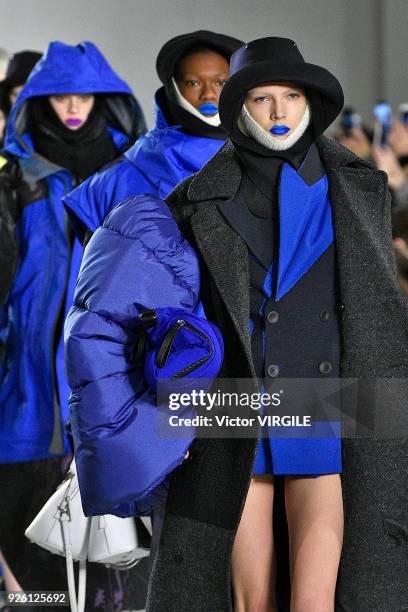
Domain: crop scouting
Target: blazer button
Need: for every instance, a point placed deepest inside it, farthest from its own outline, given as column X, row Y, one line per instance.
column 273, row 316
column 341, row 310
column 324, row 315
column 325, row 367
column 273, row 370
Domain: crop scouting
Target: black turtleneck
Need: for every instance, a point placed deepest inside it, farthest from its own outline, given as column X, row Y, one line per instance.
column 263, row 170
column 176, row 115
column 82, row 151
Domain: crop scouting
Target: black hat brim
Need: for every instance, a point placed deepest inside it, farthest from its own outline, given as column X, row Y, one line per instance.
column 303, row 74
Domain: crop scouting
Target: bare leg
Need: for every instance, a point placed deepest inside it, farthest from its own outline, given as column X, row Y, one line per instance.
column 314, row 509
column 10, row 582
column 253, row 554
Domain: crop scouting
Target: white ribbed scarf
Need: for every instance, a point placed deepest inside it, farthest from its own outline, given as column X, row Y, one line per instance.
column 214, row 120
column 249, row 127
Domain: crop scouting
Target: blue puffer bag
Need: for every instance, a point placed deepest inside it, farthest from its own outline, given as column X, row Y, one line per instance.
column 139, row 283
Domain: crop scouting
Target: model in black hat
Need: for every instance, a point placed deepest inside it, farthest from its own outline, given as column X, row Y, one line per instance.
column 285, row 220
column 193, row 69
column 18, row 70
column 269, row 115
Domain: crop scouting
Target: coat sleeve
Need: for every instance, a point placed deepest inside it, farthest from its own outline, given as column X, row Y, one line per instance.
column 90, row 203
column 137, row 261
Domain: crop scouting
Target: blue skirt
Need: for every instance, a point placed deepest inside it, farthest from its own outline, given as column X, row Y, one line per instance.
column 310, row 451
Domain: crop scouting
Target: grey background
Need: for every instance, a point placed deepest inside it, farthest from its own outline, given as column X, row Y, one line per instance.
column 363, row 42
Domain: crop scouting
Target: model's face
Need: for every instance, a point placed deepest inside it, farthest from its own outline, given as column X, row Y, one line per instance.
column 200, row 78
column 278, row 108
column 72, row 109
column 13, row 93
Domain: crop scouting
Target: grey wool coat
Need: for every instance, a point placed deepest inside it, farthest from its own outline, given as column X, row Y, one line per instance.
column 207, row 492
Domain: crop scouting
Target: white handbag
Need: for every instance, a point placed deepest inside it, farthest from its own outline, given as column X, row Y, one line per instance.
column 62, row 528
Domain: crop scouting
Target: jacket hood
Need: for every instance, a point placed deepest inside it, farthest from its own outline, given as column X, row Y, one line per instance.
column 278, row 60
column 74, row 69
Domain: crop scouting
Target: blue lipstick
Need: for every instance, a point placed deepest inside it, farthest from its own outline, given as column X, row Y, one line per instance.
column 208, row 109
column 279, row 130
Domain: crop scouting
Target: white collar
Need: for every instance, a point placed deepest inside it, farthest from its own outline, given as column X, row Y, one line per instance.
column 214, row 120
column 249, row 127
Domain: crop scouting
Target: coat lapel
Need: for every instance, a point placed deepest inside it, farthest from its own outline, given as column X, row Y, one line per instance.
column 223, row 250
column 365, row 261
column 226, row 257
column 357, row 193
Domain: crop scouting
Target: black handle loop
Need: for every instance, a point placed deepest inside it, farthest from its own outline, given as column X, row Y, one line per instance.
column 148, row 319
column 164, row 351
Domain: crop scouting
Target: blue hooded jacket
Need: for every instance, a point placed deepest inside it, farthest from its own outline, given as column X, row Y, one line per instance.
column 155, row 164
column 33, row 391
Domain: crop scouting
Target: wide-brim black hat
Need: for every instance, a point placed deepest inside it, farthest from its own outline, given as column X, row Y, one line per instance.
column 278, row 60
column 175, row 48
column 18, row 70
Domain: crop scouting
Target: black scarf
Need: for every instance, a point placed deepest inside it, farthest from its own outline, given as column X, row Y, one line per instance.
column 174, row 114
column 262, row 166
column 262, row 169
column 81, row 151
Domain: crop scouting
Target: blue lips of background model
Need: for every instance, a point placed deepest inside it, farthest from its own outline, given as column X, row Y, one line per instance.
column 279, row 130
column 208, row 109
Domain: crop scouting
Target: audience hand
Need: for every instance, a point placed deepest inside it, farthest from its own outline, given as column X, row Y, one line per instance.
column 401, row 246
column 386, row 160
column 398, row 139
column 357, row 142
